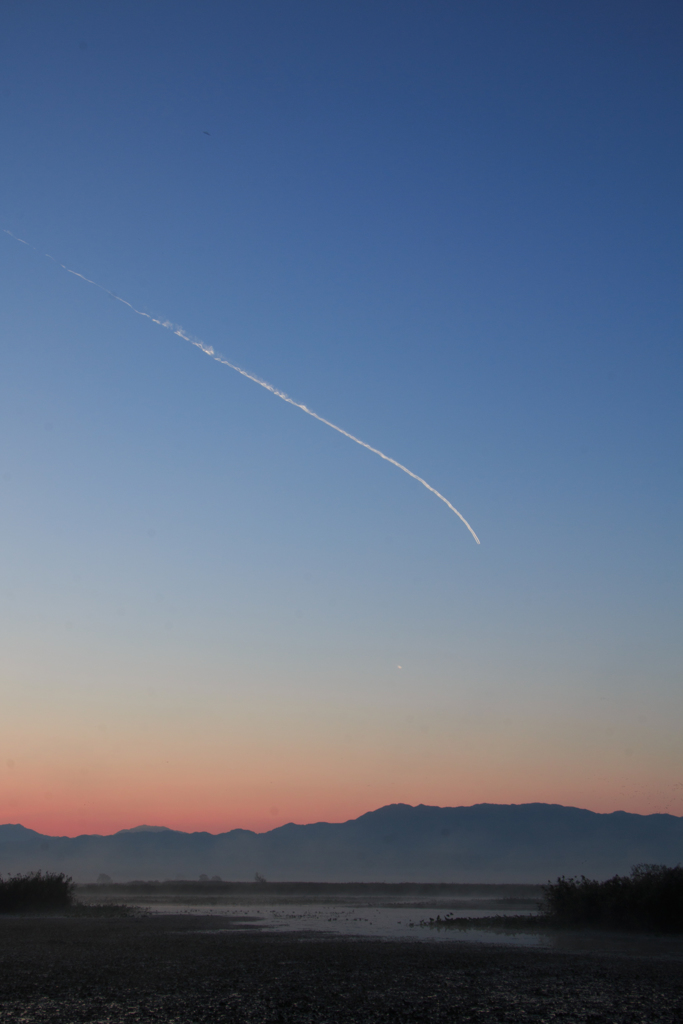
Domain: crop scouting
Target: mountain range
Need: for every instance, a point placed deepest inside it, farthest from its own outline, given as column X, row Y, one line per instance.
column 397, row 843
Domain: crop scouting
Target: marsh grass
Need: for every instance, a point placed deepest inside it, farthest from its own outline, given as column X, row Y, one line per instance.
column 36, row 891
column 650, row 899
column 47, row 892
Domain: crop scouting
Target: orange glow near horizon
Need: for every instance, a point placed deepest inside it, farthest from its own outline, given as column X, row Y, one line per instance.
column 445, row 230
column 222, row 778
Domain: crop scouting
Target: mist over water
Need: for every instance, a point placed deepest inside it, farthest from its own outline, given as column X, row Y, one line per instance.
column 390, row 778
column 403, row 916
column 377, row 914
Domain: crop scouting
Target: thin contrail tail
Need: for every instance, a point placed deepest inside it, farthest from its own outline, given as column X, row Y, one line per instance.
column 210, row 351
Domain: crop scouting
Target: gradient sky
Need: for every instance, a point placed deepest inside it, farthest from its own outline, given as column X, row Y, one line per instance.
column 452, row 228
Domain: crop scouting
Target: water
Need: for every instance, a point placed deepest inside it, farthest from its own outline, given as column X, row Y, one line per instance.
column 369, row 921
column 366, row 916
column 378, row 917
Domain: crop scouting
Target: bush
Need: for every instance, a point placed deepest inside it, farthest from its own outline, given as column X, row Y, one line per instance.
column 651, row 898
column 36, row 891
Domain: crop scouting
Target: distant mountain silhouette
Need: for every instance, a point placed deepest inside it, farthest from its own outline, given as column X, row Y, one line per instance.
column 397, row 843
column 144, row 828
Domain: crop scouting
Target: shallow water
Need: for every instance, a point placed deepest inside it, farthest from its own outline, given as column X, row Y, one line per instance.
column 373, row 917
column 367, row 916
column 363, row 920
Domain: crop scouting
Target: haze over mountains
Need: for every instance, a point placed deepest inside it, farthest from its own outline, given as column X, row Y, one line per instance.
column 397, row 843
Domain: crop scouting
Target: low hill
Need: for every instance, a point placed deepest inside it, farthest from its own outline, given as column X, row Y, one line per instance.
column 482, row 843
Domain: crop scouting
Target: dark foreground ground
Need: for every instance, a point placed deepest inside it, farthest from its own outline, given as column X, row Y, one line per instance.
column 175, row 968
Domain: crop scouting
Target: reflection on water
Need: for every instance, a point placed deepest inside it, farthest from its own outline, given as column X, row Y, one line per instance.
column 367, row 914
column 402, row 918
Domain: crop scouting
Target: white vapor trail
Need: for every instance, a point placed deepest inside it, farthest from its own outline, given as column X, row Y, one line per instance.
column 210, row 351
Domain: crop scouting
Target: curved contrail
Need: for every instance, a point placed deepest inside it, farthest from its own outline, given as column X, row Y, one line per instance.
column 210, row 351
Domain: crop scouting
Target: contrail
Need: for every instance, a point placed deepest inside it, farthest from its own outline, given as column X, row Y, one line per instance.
column 210, row 351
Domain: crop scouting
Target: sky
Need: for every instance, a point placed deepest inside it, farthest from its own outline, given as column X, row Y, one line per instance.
column 452, row 229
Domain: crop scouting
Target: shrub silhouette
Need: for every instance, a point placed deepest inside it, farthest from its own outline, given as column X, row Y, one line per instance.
column 651, row 898
column 36, row 891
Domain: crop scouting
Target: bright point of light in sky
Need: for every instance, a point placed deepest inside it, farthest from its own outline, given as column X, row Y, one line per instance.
column 454, row 229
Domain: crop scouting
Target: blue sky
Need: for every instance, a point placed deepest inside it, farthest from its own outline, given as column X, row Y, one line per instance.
column 454, row 230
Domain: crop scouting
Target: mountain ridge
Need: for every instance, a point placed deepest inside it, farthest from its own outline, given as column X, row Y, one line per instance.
column 398, row 842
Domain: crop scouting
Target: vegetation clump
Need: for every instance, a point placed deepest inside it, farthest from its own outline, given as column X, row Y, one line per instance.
column 36, row 891
column 649, row 899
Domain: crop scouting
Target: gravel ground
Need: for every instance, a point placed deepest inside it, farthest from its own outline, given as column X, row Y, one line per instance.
column 181, row 969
